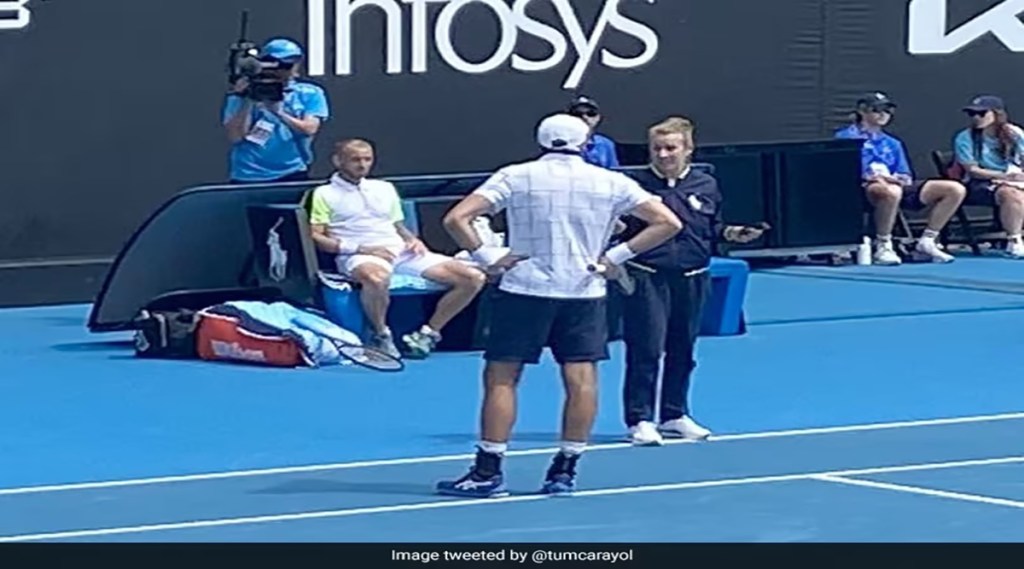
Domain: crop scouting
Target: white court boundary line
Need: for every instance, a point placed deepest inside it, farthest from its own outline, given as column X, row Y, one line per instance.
column 526, row 452
column 829, row 476
column 907, row 489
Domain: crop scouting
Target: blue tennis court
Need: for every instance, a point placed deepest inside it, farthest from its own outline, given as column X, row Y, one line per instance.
column 864, row 404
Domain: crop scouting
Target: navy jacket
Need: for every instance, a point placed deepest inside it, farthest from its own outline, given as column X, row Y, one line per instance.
column 697, row 202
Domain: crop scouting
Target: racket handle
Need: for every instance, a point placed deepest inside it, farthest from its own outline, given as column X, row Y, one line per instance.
column 597, row 268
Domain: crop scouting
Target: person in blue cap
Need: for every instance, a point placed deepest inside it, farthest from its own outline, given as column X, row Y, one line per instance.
column 272, row 141
column 889, row 183
column 991, row 154
column 600, row 150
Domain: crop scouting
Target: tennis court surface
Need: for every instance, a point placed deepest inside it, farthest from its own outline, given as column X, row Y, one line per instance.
column 864, row 404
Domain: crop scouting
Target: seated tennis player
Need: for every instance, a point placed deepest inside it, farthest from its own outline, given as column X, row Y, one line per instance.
column 360, row 220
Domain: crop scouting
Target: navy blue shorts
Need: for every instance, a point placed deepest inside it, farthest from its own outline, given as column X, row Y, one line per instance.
column 981, row 192
column 520, row 327
column 911, row 199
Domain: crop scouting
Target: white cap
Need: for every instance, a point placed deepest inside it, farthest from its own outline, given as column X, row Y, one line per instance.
column 563, row 132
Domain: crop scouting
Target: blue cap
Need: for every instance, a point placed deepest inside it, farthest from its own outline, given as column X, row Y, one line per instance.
column 985, row 103
column 282, row 50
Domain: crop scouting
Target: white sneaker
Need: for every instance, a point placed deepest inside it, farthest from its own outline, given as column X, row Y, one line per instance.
column 645, row 434
column 1015, row 249
column 929, row 249
column 684, row 428
column 886, row 255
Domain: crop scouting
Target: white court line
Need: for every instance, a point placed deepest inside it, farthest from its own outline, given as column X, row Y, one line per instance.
column 455, row 503
column 919, row 490
column 527, row 452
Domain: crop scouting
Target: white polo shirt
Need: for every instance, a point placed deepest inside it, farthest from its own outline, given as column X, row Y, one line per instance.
column 358, row 214
column 561, row 213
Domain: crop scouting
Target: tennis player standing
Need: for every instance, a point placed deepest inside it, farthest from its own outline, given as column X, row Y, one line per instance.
column 560, row 212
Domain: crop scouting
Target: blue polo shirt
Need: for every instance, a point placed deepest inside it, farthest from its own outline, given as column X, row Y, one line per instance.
column 990, row 158
column 272, row 149
column 879, row 148
column 600, row 151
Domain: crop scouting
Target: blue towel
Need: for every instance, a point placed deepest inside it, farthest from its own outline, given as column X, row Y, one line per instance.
column 313, row 332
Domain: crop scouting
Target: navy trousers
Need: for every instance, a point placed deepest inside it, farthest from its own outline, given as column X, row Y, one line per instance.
column 661, row 318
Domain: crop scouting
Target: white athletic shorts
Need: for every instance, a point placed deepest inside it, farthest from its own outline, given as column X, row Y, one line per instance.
column 406, row 262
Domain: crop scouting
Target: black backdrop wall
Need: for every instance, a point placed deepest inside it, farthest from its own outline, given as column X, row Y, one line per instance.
column 107, row 107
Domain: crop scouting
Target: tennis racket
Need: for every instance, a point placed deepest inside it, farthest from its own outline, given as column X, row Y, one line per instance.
column 368, row 357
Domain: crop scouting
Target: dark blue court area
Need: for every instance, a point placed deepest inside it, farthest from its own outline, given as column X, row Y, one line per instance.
column 863, row 404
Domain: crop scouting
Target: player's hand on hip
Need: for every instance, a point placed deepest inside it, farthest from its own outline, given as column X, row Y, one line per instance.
column 382, row 252
column 610, row 270
column 507, row 262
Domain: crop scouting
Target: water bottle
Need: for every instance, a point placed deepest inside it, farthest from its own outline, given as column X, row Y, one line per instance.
column 864, row 252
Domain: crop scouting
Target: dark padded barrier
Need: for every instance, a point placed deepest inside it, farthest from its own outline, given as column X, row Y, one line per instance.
column 198, row 240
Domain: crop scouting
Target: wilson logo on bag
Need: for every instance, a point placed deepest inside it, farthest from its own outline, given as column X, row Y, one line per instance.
column 224, row 338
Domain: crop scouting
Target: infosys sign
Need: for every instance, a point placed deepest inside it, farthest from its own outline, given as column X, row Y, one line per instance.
column 430, row 23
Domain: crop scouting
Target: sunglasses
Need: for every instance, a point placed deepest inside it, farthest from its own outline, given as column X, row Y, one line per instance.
column 586, row 112
column 976, row 113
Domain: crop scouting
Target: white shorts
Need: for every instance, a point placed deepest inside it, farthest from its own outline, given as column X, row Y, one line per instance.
column 406, row 263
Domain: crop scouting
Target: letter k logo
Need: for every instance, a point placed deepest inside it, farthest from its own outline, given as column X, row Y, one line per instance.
column 927, row 33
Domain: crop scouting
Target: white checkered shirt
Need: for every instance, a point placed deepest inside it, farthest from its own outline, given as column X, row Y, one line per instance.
column 561, row 212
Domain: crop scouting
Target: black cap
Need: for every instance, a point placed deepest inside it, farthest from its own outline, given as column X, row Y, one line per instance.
column 875, row 100
column 583, row 101
column 985, row 103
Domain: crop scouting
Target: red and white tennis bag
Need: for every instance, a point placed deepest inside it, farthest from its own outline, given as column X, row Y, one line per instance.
column 269, row 334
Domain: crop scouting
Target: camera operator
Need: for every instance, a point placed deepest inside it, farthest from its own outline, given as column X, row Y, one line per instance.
column 271, row 118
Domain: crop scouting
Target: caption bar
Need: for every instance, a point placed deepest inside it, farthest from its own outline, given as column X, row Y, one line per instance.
column 538, row 556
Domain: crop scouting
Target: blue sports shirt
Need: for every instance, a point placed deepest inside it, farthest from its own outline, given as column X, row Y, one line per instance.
column 272, row 149
column 880, row 148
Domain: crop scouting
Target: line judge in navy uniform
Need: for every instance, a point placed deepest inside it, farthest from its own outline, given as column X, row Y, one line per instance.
column 662, row 317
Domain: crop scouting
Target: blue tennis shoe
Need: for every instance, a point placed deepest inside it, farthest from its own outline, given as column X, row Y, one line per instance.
column 474, row 485
column 561, row 477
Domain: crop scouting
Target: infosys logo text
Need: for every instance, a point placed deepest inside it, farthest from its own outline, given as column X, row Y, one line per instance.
column 584, row 48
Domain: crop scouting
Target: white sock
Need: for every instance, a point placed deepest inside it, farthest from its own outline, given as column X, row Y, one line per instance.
column 883, row 240
column 493, row 448
column 1015, row 238
column 572, row 448
column 929, row 235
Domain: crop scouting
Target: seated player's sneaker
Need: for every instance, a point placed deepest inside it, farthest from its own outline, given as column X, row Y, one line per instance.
column 886, row 255
column 561, row 477
column 1015, row 249
column 928, row 249
column 421, row 342
column 684, row 428
column 645, row 434
column 385, row 343
column 473, row 485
